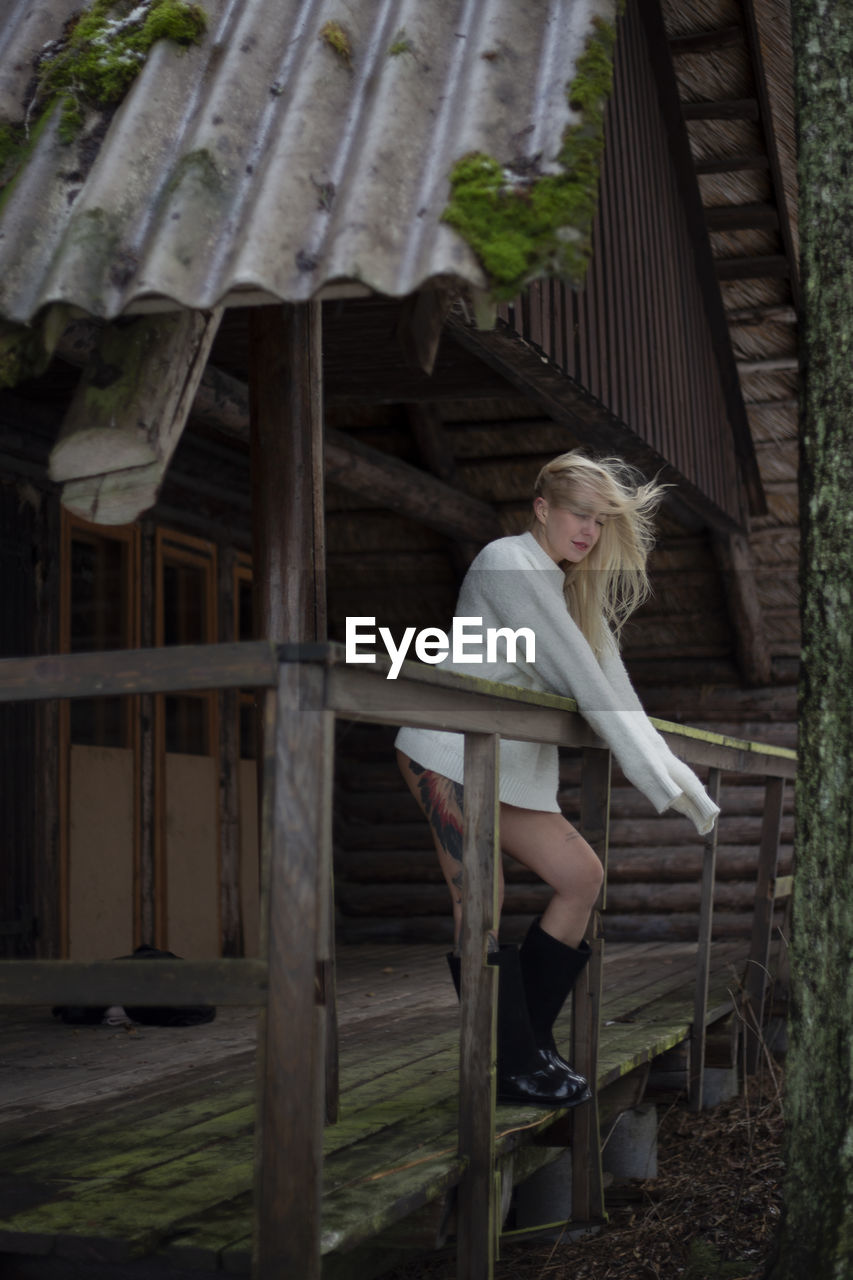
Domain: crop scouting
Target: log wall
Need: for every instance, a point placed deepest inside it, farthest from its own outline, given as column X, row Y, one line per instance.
column 389, row 886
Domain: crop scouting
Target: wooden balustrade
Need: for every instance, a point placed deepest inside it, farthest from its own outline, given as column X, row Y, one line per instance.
column 309, row 686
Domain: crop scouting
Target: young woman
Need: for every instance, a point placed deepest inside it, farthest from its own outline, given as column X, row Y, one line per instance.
column 575, row 578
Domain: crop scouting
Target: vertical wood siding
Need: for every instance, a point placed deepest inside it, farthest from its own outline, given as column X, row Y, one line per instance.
column 636, row 336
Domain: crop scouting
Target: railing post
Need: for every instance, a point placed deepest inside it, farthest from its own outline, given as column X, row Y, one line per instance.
column 296, row 845
column 477, row 1224
column 762, row 920
column 587, row 1177
column 703, row 956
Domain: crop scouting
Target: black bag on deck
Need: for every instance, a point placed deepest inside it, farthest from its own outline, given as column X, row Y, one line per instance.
column 190, row 1015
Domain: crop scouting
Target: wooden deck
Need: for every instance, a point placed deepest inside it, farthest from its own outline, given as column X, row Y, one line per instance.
column 130, row 1151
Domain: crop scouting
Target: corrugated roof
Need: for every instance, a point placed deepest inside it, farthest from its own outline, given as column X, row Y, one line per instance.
column 262, row 160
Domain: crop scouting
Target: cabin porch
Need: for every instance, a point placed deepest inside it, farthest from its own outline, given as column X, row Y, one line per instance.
column 132, row 1148
column 410, row 1136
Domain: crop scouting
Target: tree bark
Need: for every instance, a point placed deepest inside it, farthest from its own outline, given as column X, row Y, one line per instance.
column 817, row 1227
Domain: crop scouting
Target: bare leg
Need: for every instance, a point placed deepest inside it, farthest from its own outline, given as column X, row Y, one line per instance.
column 441, row 801
column 550, row 846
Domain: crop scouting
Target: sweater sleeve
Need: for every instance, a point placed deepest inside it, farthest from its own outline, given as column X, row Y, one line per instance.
column 693, row 801
column 518, row 594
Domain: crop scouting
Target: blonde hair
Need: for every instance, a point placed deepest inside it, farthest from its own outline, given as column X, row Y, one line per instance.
column 605, row 588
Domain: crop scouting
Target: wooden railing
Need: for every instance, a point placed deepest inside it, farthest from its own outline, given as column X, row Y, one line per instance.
column 307, row 687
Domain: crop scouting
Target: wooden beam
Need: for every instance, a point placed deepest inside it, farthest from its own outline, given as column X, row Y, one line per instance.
column 734, row 559
column 742, row 217
column 222, row 404
column 775, row 265
column 588, row 421
column 679, row 146
column 46, row 763
column 420, row 326
column 768, row 26
column 728, row 109
column 731, row 164
column 587, row 1175
column 770, row 313
column 477, row 1227
column 436, row 449
column 296, row 837
column 756, row 979
column 772, row 364
column 228, row 774
column 288, row 552
column 288, row 523
column 128, row 412
column 706, row 41
column 387, row 482
column 703, row 955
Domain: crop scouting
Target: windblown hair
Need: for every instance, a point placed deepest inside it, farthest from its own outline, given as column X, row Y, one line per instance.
column 611, row 582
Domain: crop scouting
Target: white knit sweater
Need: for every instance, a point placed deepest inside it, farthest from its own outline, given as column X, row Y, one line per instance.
column 514, row 583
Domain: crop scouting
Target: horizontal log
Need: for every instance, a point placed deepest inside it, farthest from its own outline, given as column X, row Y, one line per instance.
column 725, row 109
column 770, row 364
column 250, row 664
column 128, row 412
column 706, row 41
column 429, row 900
column 394, row 803
column 222, row 403
column 123, row 982
column 732, row 164
column 388, row 482
column 752, row 267
column 678, row 927
column 640, row 898
column 766, row 313
column 433, row 929
column 653, row 865
column 742, row 217
column 684, row 862
column 679, row 831
column 650, row 832
column 402, row 899
column 709, row 703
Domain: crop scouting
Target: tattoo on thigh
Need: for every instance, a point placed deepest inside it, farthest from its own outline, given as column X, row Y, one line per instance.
column 441, row 800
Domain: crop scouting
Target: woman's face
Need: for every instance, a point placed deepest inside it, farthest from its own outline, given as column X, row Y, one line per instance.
column 568, row 533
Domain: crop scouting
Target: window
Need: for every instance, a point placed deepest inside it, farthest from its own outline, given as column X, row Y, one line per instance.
column 186, row 614
column 99, row 613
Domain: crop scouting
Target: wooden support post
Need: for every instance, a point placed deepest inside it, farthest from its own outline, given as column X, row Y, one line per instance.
column 127, row 414
column 703, row 955
column 230, row 903
column 477, row 1209
column 145, row 924
column 762, row 921
column 587, row 1177
column 296, row 861
column 47, row 870
column 288, row 524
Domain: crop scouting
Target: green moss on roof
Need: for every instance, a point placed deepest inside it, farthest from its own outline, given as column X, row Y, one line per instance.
column 401, row 44
column 335, row 36
column 522, row 226
column 102, row 50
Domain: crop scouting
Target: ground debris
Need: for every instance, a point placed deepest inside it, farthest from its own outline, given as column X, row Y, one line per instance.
column 711, row 1214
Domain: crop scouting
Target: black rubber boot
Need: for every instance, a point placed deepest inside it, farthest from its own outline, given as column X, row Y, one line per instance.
column 549, row 970
column 524, row 1073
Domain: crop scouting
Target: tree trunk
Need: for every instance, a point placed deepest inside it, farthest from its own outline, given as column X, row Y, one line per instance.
column 817, row 1230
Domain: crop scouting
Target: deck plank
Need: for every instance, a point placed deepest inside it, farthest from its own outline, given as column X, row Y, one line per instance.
column 149, row 1155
